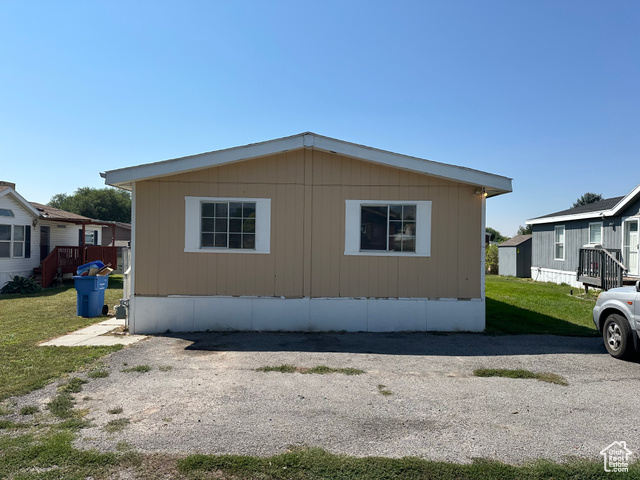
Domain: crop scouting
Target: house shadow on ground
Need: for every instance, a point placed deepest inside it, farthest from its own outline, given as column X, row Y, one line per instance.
column 495, row 343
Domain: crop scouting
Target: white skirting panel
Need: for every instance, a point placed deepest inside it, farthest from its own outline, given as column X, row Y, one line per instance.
column 540, row 274
column 197, row 314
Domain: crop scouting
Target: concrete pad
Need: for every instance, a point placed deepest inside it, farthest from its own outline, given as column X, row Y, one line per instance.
column 110, row 340
column 67, row 341
column 94, row 330
column 117, row 322
column 95, row 336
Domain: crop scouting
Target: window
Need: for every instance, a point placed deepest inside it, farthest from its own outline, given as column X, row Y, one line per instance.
column 595, row 233
column 5, row 212
column 5, row 241
column 396, row 228
column 18, row 241
column 558, row 242
column 388, row 228
column 15, row 241
column 227, row 225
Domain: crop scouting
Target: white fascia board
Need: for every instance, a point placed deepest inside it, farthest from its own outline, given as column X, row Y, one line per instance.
column 124, row 177
column 496, row 183
column 21, row 200
column 567, row 218
column 625, row 201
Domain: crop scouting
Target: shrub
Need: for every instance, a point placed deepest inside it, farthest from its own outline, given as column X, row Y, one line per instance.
column 21, row 285
column 491, row 259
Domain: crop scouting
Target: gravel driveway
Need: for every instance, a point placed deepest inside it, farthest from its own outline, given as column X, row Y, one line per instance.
column 204, row 395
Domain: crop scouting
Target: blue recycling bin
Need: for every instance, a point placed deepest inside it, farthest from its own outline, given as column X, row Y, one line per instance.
column 90, row 295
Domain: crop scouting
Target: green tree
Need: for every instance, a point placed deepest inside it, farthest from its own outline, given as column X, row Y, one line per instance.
column 98, row 203
column 496, row 236
column 491, row 259
column 525, row 230
column 586, row 199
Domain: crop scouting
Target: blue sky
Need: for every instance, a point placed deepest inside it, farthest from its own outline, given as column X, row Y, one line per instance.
column 545, row 92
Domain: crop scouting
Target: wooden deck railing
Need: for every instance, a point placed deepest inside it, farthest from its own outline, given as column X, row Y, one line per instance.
column 599, row 267
column 68, row 259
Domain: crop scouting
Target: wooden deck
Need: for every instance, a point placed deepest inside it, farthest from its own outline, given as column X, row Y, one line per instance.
column 65, row 260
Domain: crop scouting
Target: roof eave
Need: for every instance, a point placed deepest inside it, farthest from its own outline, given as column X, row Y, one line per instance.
column 27, row 206
column 609, row 212
column 125, row 177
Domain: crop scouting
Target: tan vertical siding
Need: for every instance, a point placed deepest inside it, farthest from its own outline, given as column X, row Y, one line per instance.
column 308, row 190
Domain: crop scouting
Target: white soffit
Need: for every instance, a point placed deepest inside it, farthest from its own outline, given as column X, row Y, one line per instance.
column 124, row 177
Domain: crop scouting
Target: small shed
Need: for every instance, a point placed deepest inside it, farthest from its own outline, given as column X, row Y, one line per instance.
column 514, row 257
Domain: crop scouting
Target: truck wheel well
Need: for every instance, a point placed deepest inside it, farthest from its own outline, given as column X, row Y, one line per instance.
column 605, row 314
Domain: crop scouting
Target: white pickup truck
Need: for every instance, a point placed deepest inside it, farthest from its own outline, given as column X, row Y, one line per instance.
column 617, row 316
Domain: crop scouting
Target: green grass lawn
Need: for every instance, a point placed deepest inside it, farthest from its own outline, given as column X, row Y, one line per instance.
column 26, row 320
column 519, row 306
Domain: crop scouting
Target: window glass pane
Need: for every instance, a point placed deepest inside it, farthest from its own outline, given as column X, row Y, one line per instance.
column 208, row 209
column 18, row 233
column 221, row 225
column 409, row 212
column 560, row 251
column 249, row 225
column 207, row 239
column 208, row 224
column 249, row 241
column 408, row 243
column 235, row 240
column 221, row 240
column 17, row 249
column 5, row 232
column 235, row 225
column 248, row 209
column 221, row 209
column 235, row 210
column 5, row 212
column 373, row 227
column 595, row 233
column 5, row 249
column 395, row 227
column 395, row 212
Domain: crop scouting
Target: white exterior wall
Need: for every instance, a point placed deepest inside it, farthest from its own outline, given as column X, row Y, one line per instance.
column 540, row 274
column 66, row 234
column 194, row 314
column 23, row 267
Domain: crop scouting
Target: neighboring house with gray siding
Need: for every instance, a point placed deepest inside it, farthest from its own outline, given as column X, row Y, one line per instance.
column 558, row 239
column 514, row 257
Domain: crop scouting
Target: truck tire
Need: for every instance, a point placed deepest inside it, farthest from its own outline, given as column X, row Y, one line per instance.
column 617, row 336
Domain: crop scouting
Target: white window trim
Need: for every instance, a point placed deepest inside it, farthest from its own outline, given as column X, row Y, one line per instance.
column 558, row 243
column 601, row 233
column 192, row 225
column 352, row 228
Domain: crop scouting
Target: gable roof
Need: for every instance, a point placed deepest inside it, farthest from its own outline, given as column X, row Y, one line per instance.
column 6, row 190
column 515, row 241
column 125, row 177
column 604, row 208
